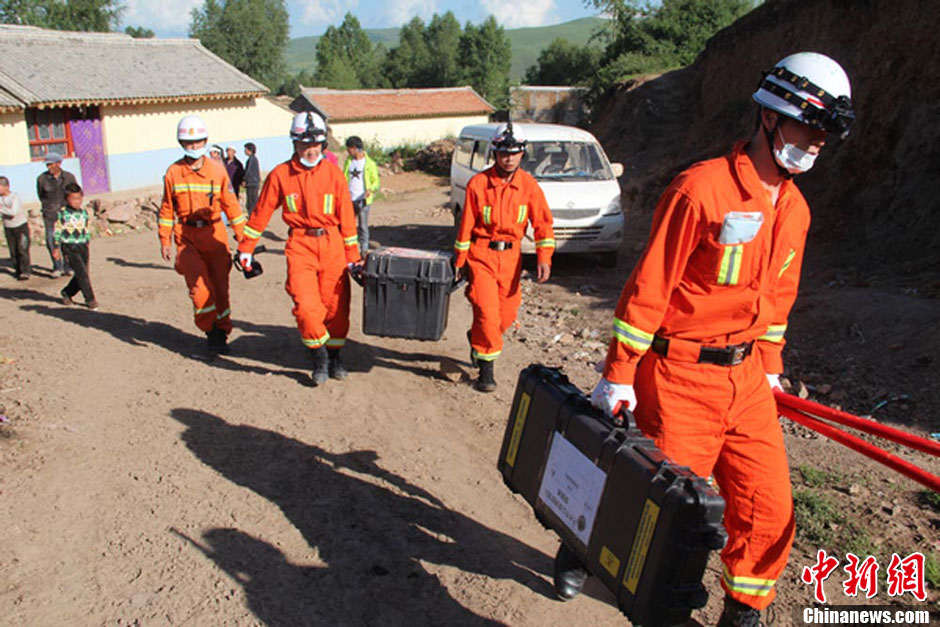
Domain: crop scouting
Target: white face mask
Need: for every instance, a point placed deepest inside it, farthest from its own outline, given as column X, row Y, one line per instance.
column 308, row 164
column 195, row 153
column 792, row 159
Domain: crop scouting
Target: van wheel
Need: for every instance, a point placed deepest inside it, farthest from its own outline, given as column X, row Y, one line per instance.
column 608, row 260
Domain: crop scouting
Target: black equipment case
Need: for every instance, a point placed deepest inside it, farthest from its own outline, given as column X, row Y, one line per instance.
column 641, row 524
column 406, row 293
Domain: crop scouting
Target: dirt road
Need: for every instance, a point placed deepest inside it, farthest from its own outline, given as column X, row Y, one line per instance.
column 143, row 484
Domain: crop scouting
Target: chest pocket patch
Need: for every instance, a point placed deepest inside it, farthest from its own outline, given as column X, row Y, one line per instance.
column 740, row 227
column 290, row 203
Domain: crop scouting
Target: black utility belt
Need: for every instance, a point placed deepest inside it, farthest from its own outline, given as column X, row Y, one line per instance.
column 730, row 355
column 201, row 223
column 317, row 232
column 499, row 244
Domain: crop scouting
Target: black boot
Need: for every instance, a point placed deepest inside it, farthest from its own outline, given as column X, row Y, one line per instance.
column 337, row 369
column 217, row 341
column 736, row 614
column 321, row 370
column 486, row 382
column 569, row 574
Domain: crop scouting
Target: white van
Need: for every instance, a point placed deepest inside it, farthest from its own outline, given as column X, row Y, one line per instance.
column 580, row 184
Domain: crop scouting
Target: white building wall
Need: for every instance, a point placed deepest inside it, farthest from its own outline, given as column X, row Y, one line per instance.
column 394, row 133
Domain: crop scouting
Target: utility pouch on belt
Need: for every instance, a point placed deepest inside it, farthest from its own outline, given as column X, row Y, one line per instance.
column 640, row 523
column 740, row 227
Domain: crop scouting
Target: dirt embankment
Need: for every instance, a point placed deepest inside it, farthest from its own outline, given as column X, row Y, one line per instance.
column 875, row 209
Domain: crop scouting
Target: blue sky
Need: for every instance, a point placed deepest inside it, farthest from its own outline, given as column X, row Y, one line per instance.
column 170, row 18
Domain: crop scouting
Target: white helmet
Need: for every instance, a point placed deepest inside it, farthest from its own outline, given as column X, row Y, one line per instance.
column 509, row 138
column 811, row 88
column 309, row 127
column 191, row 128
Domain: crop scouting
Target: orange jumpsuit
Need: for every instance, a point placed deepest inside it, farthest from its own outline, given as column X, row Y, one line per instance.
column 316, row 206
column 496, row 211
column 693, row 288
column 196, row 199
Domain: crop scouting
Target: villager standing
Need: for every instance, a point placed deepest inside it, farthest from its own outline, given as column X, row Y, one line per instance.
column 698, row 332
column 362, row 174
column 500, row 202
column 50, row 189
column 196, row 190
column 16, row 230
column 235, row 169
column 321, row 244
column 252, row 177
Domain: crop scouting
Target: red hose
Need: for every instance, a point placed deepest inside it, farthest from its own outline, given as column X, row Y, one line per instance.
column 862, row 424
column 870, row 450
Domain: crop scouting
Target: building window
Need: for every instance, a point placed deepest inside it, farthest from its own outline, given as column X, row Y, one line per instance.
column 48, row 132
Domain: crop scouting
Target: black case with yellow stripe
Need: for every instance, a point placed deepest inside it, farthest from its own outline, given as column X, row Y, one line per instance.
column 655, row 523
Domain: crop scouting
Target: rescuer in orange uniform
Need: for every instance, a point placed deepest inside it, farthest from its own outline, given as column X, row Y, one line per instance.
column 196, row 191
column 500, row 202
column 699, row 328
column 314, row 197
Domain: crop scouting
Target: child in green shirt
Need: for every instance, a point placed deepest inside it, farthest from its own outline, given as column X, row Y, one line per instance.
column 72, row 235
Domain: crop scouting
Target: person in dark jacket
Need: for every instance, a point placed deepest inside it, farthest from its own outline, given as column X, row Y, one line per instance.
column 235, row 169
column 50, row 188
column 252, row 177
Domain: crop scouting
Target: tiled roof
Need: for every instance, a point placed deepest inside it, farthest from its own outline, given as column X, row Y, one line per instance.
column 376, row 104
column 61, row 68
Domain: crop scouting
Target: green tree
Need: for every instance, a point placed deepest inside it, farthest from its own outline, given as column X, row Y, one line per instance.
column 443, row 41
column 75, row 15
column 249, row 34
column 139, row 32
column 564, row 63
column 408, row 63
column 346, row 59
column 487, row 52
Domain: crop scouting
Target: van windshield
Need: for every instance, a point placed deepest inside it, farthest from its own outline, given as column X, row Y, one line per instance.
column 562, row 161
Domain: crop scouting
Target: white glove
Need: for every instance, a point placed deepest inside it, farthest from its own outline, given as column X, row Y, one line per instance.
column 245, row 259
column 608, row 396
column 774, row 381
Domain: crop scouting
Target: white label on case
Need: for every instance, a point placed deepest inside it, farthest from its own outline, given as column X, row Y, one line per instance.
column 571, row 487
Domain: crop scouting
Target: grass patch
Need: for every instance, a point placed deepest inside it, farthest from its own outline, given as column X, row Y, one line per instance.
column 821, row 523
column 929, row 499
column 816, row 478
column 932, row 569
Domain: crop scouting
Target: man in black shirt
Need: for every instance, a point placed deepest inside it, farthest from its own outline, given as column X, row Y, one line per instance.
column 50, row 188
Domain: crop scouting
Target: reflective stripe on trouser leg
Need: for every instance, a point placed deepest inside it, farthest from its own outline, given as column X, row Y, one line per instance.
column 319, row 286
column 220, row 266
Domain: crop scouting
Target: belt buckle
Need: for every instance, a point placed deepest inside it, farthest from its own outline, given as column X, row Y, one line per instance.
column 738, row 354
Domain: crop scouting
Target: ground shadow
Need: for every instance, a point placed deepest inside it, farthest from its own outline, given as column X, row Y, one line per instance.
column 134, row 264
column 373, row 530
column 9, row 293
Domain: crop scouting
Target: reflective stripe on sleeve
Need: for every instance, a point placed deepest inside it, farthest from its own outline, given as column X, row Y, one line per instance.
column 240, row 219
column 163, row 222
column 458, row 245
column 204, row 310
column 786, row 264
column 730, row 269
column 545, row 243
column 351, row 241
column 315, row 342
column 253, row 234
column 224, row 314
column 633, row 337
column 748, row 585
column 774, row 333
column 336, row 342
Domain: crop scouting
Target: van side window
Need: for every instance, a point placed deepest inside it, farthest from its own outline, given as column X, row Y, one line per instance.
column 462, row 152
column 480, row 159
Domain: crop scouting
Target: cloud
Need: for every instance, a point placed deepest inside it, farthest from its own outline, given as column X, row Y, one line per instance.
column 402, row 11
column 167, row 17
column 322, row 12
column 518, row 14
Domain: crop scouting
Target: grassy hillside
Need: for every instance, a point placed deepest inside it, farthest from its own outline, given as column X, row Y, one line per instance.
column 526, row 43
